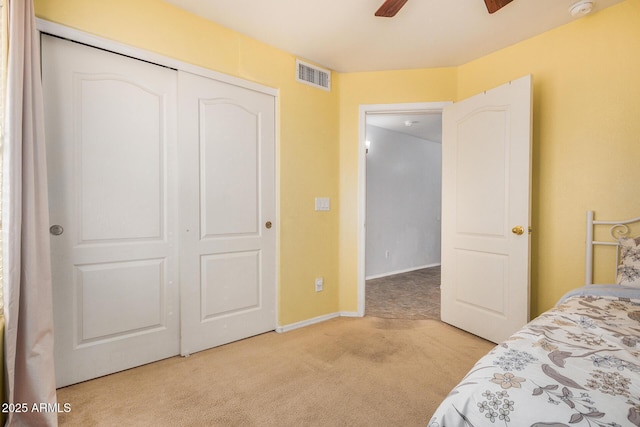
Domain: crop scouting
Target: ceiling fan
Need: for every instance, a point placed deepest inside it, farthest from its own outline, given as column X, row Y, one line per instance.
column 390, row 7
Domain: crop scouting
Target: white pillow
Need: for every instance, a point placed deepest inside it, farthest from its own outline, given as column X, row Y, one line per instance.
column 629, row 267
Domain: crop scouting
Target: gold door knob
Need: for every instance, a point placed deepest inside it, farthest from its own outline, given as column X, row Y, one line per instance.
column 519, row 230
column 268, row 224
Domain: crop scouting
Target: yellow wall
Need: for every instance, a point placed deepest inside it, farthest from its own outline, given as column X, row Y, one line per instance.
column 308, row 148
column 586, row 134
column 585, row 137
column 585, row 146
column 384, row 87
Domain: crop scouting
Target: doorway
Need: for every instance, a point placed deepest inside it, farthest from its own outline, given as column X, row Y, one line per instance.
column 399, row 193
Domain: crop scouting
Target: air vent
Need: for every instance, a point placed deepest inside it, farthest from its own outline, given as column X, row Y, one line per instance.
column 312, row 75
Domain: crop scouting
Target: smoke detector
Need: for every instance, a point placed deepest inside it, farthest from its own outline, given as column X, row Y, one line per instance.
column 581, row 8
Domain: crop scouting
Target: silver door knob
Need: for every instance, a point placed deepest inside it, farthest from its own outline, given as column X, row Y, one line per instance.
column 56, row 230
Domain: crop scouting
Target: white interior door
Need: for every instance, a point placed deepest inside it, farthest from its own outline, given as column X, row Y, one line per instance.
column 111, row 149
column 227, row 159
column 485, row 197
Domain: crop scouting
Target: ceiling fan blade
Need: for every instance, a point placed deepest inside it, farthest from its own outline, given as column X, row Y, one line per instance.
column 390, row 7
column 496, row 5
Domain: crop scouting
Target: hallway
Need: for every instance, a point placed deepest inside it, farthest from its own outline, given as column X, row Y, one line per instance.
column 413, row 295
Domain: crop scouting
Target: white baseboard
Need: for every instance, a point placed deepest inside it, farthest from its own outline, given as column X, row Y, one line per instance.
column 350, row 314
column 391, row 273
column 319, row 319
column 302, row 324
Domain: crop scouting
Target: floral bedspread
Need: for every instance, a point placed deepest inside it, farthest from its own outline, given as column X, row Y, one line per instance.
column 575, row 365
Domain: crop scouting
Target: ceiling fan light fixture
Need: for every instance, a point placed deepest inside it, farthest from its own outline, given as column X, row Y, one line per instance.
column 581, row 8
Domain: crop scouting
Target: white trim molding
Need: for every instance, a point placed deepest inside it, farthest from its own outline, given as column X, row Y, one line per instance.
column 406, row 270
column 78, row 36
column 350, row 314
column 313, row 321
column 308, row 322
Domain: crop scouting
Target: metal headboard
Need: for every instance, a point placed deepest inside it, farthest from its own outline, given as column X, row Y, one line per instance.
column 618, row 229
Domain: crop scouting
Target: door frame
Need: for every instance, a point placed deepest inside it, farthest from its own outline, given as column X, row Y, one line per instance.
column 74, row 35
column 364, row 109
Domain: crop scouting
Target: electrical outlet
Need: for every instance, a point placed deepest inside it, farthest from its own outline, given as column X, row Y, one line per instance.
column 319, row 284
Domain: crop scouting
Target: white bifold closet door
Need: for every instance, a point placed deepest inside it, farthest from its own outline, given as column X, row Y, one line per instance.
column 150, row 228
column 111, row 159
column 227, row 154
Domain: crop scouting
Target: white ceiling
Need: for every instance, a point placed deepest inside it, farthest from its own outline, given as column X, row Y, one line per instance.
column 345, row 36
column 421, row 125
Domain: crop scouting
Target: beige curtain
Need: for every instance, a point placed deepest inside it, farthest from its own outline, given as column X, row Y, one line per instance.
column 29, row 364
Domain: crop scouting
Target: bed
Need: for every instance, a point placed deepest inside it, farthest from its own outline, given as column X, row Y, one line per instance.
column 577, row 364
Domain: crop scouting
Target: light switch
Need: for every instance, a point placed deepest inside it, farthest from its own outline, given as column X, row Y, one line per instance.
column 322, row 204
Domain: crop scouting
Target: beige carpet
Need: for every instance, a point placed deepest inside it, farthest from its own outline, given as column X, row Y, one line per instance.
column 411, row 295
column 343, row 372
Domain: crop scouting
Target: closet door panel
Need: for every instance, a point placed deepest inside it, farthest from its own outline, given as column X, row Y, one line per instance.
column 230, row 166
column 111, row 150
column 227, row 158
